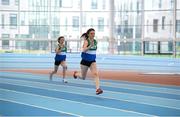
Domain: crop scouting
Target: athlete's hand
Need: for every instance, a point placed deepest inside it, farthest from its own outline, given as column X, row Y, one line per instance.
column 59, row 46
column 92, row 43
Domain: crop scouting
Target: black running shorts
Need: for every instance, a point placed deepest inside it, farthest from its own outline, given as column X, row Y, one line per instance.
column 87, row 63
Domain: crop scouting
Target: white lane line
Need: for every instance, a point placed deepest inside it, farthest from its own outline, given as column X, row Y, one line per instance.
column 58, row 100
column 163, row 102
column 110, row 84
column 40, row 107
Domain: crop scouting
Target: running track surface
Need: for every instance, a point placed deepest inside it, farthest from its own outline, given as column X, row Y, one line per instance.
column 27, row 94
column 105, row 62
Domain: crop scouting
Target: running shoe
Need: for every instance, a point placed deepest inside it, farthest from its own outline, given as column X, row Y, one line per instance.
column 74, row 74
column 99, row 91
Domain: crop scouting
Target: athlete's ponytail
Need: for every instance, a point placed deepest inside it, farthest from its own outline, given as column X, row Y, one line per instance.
column 87, row 33
column 84, row 35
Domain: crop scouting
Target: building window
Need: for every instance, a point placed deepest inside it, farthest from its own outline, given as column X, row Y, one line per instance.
column 147, row 26
column 104, row 4
column 94, row 4
column 101, row 24
column 92, row 23
column 131, row 6
column 58, row 3
column 22, row 17
column 170, row 29
column 5, row 44
column 172, row 4
column 84, row 20
column 63, row 3
column 170, row 46
column 155, row 25
column 5, row 36
column 66, row 24
column 5, row 2
column 160, row 3
column 66, row 3
column 163, row 22
column 146, row 45
column 154, row 4
column 13, row 20
column 16, row 2
column 2, row 20
column 178, row 26
column 75, row 22
column 137, row 7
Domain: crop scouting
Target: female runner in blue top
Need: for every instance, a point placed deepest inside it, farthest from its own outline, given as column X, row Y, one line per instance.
column 88, row 56
column 60, row 58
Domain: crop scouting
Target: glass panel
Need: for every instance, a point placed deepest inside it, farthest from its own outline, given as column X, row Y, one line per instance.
column 166, row 47
column 47, row 20
column 128, row 5
column 129, row 47
column 178, row 24
column 178, row 49
column 158, row 4
column 65, row 5
column 158, row 24
column 151, row 47
column 5, row 44
column 128, row 32
column 178, row 4
column 5, row 2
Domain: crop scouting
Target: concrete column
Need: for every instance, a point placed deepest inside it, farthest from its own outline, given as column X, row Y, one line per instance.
column 81, row 25
column 174, row 29
column 134, row 33
column 111, row 26
column 18, row 25
column 50, row 27
column 81, row 17
column 142, row 28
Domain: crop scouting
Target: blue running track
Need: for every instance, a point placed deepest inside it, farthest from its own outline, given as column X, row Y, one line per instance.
column 27, row 94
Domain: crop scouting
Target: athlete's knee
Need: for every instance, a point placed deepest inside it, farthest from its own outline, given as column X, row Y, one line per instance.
column 95, row 74
column 64, row 67
column 55, row 71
